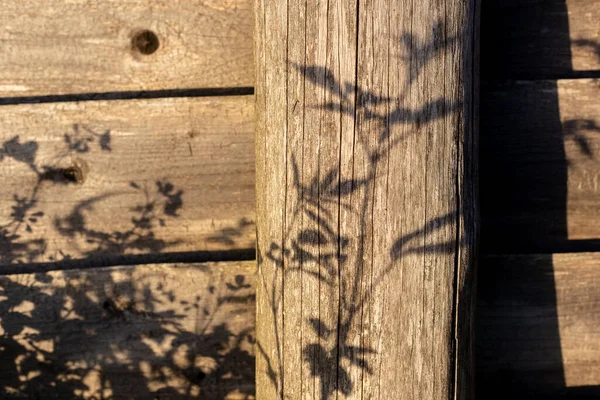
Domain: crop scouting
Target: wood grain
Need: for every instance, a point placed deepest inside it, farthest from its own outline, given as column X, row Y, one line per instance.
column 98, row 179
column 157, row 331
column 541, row 170
column 365, row 199
column 540, row 39
column 59, row 47
column 81, row 47
column 536, row 318
column 537, row 326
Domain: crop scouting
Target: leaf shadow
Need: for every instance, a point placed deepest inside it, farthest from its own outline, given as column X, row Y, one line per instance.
column 314, row 245
column 113, row 333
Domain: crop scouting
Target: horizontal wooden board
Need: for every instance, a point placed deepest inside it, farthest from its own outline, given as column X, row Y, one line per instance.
column 540, row 166
column 539, row 39
column 81, row 47
column 537, row 321
column 59, row 47
column 96, row 179
column 147, row 332
column 537, row 326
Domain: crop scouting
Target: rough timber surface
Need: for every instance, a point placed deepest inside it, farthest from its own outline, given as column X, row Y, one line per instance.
column 94, row 318
column 92, row 180
column 366, row 198
column 115, row 323
column 63, row 47
column 161, row 331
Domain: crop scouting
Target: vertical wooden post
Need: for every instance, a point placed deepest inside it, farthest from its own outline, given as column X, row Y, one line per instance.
column 366, row 198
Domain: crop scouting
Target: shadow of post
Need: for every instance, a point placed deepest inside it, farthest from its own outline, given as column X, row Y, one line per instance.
column 524, row 177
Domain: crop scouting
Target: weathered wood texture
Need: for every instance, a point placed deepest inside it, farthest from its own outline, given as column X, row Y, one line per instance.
column 540, row 39
column 99, row 179
column 94, row 318
column 537, row 319
column 365, row 199
column 81, row 47
column 57, row 47
column 540, row 173
column 147, row 332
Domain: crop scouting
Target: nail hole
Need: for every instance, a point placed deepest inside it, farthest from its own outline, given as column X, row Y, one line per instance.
column 68, row 175
column 73, row 174
column 146, row 42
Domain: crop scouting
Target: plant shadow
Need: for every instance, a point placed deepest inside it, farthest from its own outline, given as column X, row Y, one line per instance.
column 154, row 331
column 328, row 238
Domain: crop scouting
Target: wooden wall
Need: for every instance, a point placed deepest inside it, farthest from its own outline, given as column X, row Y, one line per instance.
column 126, row 138
column 112, row 158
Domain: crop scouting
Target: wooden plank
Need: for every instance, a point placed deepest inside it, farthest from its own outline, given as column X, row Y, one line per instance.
column 540, row 177
column 523, row 39
column 146, row 332
column 537, row 326
column 540, row 39
column 536, row 319
column 93, row 180
column 59, row 47
column 365, row 199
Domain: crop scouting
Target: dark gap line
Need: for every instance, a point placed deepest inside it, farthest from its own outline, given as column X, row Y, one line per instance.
column 494, row 6
column 129, row 95
column 130, row 260
column 571, row 75
column 569, row 247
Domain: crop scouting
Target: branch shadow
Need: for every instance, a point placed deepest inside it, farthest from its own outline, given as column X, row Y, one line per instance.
column 321, row 251
column 127, row 332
